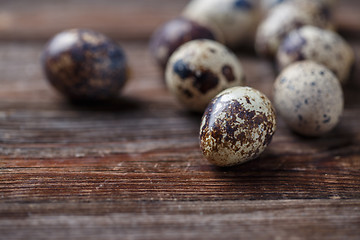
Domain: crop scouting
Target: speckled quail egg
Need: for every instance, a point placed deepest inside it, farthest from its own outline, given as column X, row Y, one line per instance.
column 85, row 65
column 237, row 126
column 236, row 18
column 322, row 46
column 168, row 37
column 286, row 17
column 309, row 97
column 199, row 70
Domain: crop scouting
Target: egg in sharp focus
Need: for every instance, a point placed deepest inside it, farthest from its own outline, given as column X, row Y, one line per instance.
column 85, row 65
column 199, row 70
column 237, row 126
column 309, row 98
column 322, row 46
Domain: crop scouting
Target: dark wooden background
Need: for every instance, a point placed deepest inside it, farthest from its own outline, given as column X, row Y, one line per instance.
column 133, row 169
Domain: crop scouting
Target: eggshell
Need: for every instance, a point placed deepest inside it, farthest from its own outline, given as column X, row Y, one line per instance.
column 85, row 65
column 309, row 98
column 322, row 46
column 237, row 126
column 171, row 35
column 284, row 18
column 237, row 19
column 199, row 70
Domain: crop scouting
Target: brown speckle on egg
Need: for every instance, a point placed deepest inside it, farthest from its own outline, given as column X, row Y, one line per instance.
column 284, row 18
column 228, row 73
column 237, row 126
column 85, row 65
column 319, row 45
column 191, row 69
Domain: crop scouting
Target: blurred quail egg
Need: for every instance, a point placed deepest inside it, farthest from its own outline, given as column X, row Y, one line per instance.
column 236, row 18
column 85, row 65
column 309, row 98
column 322, row 46
column 199, row 70
column 237, row 126
column 167, row 38
column 267, row 5
column 285, row 17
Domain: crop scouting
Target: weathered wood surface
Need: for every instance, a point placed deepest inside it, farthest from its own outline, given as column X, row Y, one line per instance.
column 280, row 219
column 133, row 169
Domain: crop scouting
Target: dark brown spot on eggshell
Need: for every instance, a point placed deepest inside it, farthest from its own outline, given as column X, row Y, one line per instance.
column 213, row 50
column 227, row 71
column 205, row 81
column 188, row 93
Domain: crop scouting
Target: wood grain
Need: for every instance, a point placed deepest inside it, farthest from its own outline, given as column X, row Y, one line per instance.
column 290, row 219
column 126, row 19
column 132, row 169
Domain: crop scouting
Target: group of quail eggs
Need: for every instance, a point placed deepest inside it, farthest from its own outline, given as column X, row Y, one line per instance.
column 202, row 72
column 195, row 53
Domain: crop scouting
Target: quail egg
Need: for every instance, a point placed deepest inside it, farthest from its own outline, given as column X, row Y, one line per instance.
column 309, row 98
column 285, row 17
column 322, row 46
column 85, row 65
column 199, row 70
column 237, row 19
column 237, row 126
column 167, row 38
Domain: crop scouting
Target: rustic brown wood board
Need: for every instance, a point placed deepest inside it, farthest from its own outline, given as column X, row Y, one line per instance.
column 133, row 169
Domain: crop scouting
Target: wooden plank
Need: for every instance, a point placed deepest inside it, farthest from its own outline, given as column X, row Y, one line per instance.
column 145, row 146
column 295, row 219
column 64, row 167
column 133, row 169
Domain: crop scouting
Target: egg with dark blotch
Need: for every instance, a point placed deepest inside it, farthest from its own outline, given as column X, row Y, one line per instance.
column 85, row 65
column 309, row 98
column 286, row 17
column 200, row 69
column 319, row 45
column 237, row 126
column 167, row 38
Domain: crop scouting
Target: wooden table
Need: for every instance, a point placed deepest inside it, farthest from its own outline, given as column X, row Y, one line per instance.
column 133, row 169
